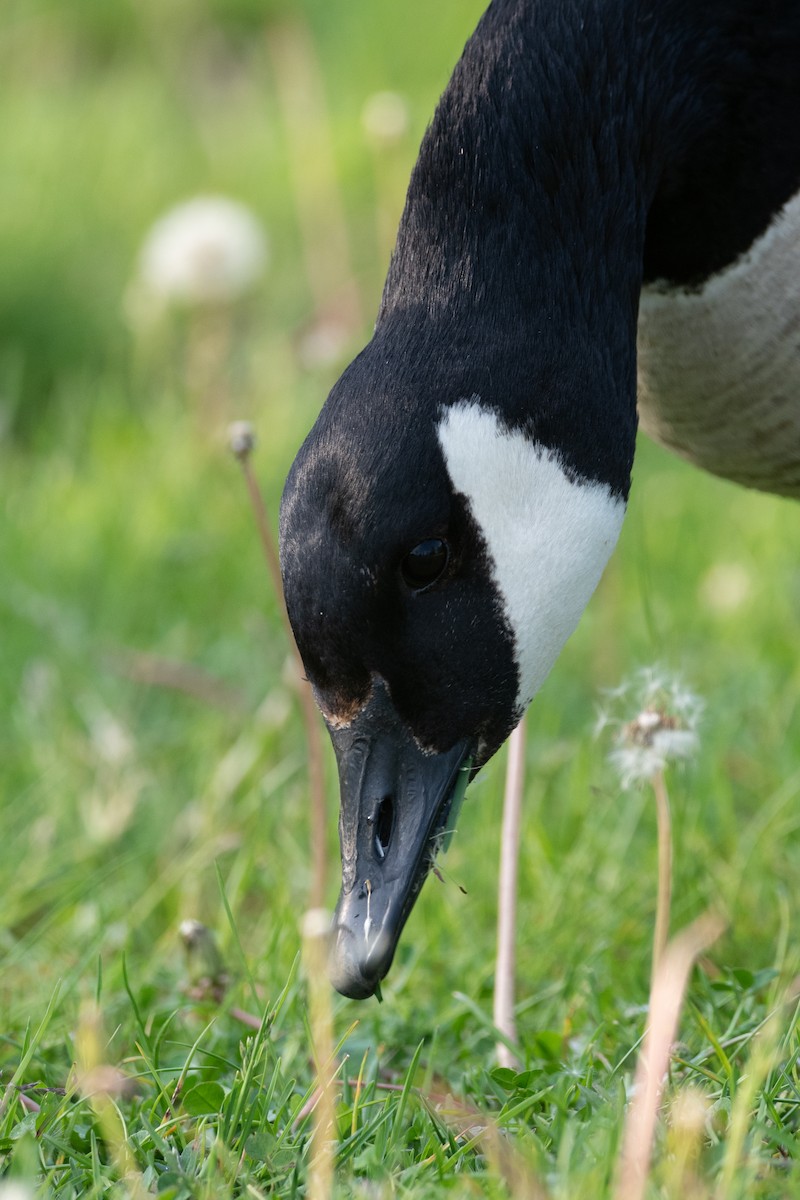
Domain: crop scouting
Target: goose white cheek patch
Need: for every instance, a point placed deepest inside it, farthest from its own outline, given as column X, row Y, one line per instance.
column 549, row 536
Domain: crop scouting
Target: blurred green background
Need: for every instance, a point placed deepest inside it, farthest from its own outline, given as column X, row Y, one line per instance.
column 128, row 550
column 148, row 734
column 115, row 111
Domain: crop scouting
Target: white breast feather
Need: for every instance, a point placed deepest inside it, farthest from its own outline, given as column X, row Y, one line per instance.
column 549, row 536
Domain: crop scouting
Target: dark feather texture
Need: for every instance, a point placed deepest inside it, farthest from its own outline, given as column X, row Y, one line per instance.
column 582, row 147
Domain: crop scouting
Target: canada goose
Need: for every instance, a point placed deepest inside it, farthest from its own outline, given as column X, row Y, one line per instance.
column 597, row 172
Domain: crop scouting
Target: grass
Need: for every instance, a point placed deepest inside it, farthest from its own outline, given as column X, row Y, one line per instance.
column 129, row 804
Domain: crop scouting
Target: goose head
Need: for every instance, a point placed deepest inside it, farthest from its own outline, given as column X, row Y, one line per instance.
column 435, row 558
column 452, row 510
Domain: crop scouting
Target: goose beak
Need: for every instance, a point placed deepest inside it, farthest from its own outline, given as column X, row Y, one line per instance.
column 395, row 804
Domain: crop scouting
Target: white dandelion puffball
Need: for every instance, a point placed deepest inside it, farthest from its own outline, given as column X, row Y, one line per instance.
column 210, row 250
column 664, row 728
column 241, row 439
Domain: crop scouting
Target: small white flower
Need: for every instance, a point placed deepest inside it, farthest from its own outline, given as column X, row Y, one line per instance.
column 385, row 118
column 241, row 439
column 664, row 729
column 204, row 960
column 191, row 930
column 209, row 250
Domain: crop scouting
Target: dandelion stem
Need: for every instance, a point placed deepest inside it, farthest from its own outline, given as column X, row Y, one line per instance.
column 99, row 1082
column 316, row 777
column 505, row 970
column 664, row 893
column 316, row 929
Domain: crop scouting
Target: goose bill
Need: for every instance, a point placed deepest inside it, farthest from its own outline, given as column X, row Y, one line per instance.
column 395, row 804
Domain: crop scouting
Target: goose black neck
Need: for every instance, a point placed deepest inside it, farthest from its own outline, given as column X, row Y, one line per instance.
column 525, row 227
column 532, row 183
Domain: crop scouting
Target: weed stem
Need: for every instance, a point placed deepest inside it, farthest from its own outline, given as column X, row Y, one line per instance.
column 505, row 970
column 664, row 892
column 316, row 931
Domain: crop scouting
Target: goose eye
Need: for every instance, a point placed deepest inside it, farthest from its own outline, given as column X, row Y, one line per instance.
column 424, row 564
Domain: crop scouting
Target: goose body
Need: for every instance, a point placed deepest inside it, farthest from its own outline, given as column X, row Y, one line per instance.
column 598, row 173
column 719, row 365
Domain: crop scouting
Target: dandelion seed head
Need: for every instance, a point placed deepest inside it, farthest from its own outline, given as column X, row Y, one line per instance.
column 664, row 728
column 676, row 743
column 618, row 692
column 241, row 439
column 634, row 764
column 204, row 962
column 191, row 931
column 685, row 704
column 646, row 722
column 602, row 721
column 209, row 250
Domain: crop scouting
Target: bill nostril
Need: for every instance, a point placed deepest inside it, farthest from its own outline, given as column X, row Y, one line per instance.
column 384, row 821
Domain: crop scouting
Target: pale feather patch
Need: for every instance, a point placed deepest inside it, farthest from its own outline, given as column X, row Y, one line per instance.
column 719, row 369
column 343, row 716
column 549, row 535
